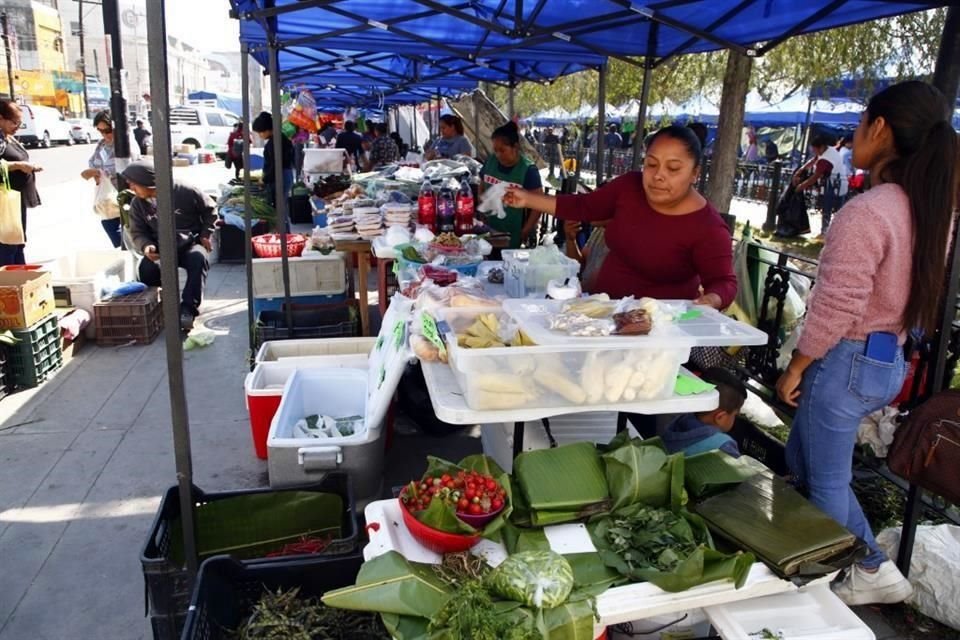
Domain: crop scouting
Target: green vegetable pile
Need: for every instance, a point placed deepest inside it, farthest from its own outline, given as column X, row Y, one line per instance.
column 539, row 579
column 650, row 538
column 285, row 615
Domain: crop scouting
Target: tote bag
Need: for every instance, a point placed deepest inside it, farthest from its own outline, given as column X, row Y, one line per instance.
column 11, row 224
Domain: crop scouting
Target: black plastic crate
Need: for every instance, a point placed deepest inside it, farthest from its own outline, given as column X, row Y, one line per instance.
column 335, row 320
column 300, row 210
column 166, row 583
column 233, row 245
column 6, row 378
column 37, row 355
column 757, row 443
column 165, row 627
column 227, row 590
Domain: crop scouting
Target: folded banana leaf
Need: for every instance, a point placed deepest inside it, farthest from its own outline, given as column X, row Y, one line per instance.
column 714, row 471
column 562, row 484
column 391, row 584
column 640, row 471
column 769, row 517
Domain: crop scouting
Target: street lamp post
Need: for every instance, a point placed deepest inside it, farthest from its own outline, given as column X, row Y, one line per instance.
column 83, row 64
column 7, row 52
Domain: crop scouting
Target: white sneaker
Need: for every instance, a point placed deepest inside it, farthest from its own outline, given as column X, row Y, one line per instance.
column 886, row 585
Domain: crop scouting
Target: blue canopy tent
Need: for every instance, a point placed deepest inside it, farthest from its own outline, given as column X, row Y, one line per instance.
column 233, row 104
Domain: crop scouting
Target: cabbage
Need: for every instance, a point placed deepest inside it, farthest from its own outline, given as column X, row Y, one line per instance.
column 540, row 579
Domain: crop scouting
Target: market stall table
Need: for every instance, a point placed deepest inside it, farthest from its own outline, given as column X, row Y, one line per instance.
column 360, row 249
column 450, row 405
column 616, row 605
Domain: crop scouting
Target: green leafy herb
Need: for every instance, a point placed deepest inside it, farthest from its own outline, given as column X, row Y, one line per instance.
column 472, row 614
column 651, row 538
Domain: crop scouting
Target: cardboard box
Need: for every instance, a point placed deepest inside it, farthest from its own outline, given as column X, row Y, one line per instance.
column 25, row 298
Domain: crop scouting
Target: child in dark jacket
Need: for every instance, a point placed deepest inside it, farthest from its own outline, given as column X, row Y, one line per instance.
column 697, row 433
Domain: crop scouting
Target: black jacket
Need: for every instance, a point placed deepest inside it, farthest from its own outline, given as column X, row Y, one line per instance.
column 194, row 211
column 286, row 148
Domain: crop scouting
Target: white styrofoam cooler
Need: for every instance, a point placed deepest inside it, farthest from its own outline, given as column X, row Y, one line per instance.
column 340, row 392
column 812, row 613
column 313, row 274
column 84, row 274
column 285, row 350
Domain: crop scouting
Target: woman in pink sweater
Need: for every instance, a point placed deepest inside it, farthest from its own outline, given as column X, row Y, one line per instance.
column 880, row 276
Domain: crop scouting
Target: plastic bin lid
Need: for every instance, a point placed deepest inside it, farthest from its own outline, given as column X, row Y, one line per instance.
column 388, row 359
column 700, row 326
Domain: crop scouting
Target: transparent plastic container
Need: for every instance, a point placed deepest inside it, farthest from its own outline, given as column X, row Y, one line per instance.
column 524, row 280
column 557, row 375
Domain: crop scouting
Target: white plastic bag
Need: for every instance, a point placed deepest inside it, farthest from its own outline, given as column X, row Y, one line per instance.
column 105, row 199
column 933, row 569
column 492, row 200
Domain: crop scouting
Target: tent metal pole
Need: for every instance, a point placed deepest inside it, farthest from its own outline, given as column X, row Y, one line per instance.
column 476, row 121
column 159, row 91
column 806, row 129
column 247, row 213
column 511, row 96
column 601, row 122
column 279, row 192
column 648, row 63
column 439, row 109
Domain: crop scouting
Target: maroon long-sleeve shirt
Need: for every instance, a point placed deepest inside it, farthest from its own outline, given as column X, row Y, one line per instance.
column 652, row 254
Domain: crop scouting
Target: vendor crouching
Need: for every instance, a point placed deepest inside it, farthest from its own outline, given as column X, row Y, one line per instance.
column 194, row 213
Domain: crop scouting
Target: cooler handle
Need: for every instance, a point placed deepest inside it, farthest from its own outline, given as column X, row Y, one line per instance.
column 319, row 458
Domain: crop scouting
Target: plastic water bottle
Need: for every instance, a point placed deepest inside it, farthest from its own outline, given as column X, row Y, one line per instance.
column 446, row 211
column 427, row 207
column 464, row 209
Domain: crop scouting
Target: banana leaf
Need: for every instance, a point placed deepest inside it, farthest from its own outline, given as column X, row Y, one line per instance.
column 639, row 471
column 516, row 539
column 714, row 471
column 570, row 621
column 391, row 584
column 567, row 480
column 769, row 517
column 591, row 576
column 444, row 517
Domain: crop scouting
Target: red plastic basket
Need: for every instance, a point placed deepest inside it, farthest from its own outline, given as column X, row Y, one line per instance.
column 268, row 245
column 433, row 539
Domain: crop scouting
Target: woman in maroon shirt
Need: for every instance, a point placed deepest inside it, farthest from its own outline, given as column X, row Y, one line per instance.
column 666, row 241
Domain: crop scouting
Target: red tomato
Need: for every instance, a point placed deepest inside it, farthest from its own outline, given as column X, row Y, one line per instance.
column 491, row 484
column 463, row 504
column 474, row 509
column 445, row 478
column 470, row 494
column 495, row 504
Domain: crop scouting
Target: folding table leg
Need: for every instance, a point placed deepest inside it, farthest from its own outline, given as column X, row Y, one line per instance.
column 518, row 428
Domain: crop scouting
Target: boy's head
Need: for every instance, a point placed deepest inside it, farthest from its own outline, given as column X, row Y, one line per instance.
column 732, row 396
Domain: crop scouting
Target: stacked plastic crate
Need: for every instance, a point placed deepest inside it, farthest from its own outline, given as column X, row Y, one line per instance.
column 26, row 311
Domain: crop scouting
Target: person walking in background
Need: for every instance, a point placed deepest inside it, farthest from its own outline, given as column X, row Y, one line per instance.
column 752, row 152
column 824, row 168
column 20, row 172
column 103, row 165
column 235, row 150
column 351, row 141
column 880, row 277
column 263, row 127
column 140, row 134
column 383, row 150
column 327, row 136
column 551, row 143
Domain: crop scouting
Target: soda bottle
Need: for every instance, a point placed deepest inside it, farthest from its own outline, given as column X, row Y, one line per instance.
column 446, row 211
column 464, row 222
column 427, row 207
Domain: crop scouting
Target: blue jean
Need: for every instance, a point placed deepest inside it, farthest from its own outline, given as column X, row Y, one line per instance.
column 837, row 392
column 112, row 227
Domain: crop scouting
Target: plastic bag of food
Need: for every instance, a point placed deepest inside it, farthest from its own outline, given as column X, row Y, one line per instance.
column 541, row 579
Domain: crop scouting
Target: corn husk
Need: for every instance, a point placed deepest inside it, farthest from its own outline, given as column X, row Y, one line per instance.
column 714, row 471
column 562, row 484
column 769, row 517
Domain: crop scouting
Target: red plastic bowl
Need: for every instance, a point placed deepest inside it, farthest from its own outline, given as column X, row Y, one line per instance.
column 433, row 539
column 268, row 245
column 481, row 520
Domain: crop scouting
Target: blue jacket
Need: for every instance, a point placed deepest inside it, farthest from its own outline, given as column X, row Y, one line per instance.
column 691, row 436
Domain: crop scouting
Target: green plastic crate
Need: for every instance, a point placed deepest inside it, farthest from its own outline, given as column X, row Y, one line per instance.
column 37, row 355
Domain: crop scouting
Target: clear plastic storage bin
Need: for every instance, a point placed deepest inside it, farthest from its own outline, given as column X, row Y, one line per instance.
column 558, row 375
column 314, row 274
column 523, row 280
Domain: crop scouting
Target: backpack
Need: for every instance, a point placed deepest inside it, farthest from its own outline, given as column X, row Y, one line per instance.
column 926, row 447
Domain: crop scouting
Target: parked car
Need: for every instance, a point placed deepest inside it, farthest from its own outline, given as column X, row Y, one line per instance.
column 202, row 127
column 83, row 131
column 43, row 126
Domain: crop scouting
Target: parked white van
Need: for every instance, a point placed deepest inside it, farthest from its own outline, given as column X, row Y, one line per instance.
column 201, row 127
column 43, row 126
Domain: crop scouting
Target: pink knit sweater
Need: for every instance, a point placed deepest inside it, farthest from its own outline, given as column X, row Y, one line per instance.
column 864, row 276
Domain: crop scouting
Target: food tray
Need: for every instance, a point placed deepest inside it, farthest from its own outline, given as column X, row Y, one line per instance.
column 709, row 329
column 558, row 375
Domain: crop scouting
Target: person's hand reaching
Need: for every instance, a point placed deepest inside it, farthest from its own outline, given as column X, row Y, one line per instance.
column 516, row 197
column 206, row 244
column 151, row 253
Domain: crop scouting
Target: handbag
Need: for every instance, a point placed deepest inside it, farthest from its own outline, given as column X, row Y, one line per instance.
column 926, row 447
column 11, row 220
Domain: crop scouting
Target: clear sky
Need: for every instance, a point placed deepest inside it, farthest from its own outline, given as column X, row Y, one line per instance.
column 204, row 24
